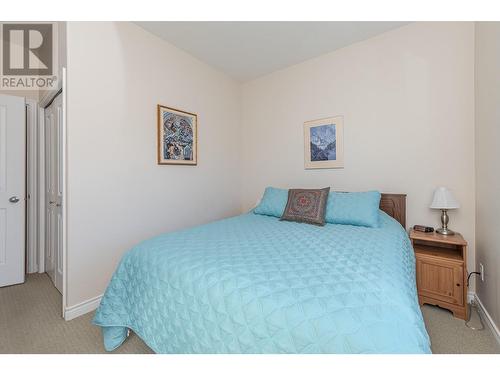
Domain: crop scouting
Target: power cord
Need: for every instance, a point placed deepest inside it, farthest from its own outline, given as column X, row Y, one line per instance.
column 472, row 304
column 470, row 274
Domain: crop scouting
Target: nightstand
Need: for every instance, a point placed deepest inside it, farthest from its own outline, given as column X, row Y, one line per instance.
column 441, row 270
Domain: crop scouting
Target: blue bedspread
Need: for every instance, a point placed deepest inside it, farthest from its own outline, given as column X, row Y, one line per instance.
column 254, row 284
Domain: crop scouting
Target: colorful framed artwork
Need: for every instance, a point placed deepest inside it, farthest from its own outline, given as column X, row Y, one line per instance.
column 177, row 136
column 324, row 143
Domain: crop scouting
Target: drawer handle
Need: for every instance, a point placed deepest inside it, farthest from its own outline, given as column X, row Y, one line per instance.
column 458, row 284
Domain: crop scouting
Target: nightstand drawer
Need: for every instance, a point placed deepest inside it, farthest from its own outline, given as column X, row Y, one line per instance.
column 440, row 279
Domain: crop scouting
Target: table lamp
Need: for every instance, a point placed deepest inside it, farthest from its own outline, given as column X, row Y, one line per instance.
column 444, row 201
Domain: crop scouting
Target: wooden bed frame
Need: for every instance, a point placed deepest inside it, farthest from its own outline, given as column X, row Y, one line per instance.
column 394, row 205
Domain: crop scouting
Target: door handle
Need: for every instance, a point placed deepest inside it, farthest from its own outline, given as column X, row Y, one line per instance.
column 13, row 199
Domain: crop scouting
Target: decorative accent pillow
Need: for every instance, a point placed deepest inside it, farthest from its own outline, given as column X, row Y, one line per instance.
column 306, row 206
column 272, row 203
column 361, row 209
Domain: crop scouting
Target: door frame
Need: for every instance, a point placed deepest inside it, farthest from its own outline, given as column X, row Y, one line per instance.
column 31, row 222
column 41, row 187
column 64, row 161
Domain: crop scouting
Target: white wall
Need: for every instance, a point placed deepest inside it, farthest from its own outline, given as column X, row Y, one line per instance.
column 46, row 95
column 487, row 164
column 117, row 194
column 407, row 97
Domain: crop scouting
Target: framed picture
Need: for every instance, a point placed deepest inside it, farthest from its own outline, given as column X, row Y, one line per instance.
column 324, row 143
column 177, row 136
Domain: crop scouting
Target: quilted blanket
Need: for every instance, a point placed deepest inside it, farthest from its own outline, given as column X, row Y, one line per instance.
column 254, row 284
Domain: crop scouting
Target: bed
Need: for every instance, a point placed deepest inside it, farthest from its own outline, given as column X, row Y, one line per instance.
column 254, row 284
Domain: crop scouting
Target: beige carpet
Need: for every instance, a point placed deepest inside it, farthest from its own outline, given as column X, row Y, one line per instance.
column 30, row 322
column 450, row 335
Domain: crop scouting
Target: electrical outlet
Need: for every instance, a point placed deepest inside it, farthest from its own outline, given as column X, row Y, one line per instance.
column 481, row 270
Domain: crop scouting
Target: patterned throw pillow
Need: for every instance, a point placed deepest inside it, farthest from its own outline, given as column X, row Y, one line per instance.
column 306, row 206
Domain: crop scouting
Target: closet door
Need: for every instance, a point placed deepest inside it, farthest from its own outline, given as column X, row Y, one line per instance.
column 53, row 147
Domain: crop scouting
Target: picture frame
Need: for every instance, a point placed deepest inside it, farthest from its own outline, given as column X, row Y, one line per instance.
column 177, row 138
column 324, row 143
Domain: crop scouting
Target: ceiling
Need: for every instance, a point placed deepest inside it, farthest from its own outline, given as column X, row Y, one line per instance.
column 247, row 50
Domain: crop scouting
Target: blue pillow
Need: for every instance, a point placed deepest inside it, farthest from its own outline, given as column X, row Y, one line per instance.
column 360, row 209
column 273, row 202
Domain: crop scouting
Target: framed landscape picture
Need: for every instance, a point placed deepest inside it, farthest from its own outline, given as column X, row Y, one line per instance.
column 177, row 136
column 324, row 143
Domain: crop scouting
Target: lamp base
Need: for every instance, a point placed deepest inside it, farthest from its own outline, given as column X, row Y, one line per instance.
column 445, row 231
column 444, row 224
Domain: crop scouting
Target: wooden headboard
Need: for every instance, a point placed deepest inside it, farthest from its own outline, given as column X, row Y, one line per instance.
column 394, row 205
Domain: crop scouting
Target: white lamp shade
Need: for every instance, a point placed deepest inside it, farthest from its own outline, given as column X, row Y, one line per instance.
column 444, row 199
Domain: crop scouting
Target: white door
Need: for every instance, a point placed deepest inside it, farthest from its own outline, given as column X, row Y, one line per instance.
column 53, row 192
column 12, row 189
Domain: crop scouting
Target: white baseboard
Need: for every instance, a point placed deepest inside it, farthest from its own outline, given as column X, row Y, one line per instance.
column 82, row 308
column 487, row 317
